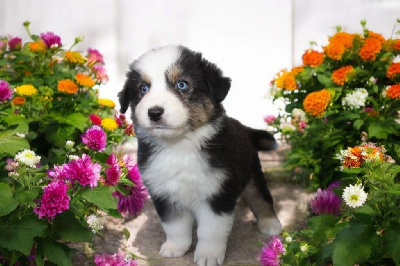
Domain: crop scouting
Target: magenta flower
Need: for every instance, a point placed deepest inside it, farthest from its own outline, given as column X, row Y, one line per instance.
column 50, row 39
column 114, row 172
column 269, row 119
column 54, row 200
column 5, row 90
column 100, row 72
column 302, row 126
column 116, row 259
column 83, row 170
column 15, row 43
column 271, row 253
column 57, row 172
column 94, row 56
column 326, row 201
column 133, row 203
column 95, row 138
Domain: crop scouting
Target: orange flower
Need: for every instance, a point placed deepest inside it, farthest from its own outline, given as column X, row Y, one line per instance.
column 343, row 38
column 392, row 45
column 287, row 80
column 371, row 47
column 377, row 36
column 393, row 91
column 18, row 100
column 67, row 86
column 312, row 58
column 335, row 50
column 84, row 80
column 393, row 70
column 38, row 46
column 315, row 103
column 340, row 76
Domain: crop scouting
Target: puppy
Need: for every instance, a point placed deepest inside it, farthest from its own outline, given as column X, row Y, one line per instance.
column 194, row 160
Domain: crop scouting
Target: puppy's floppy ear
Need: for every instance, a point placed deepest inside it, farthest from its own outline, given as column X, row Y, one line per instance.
column 218, row 85
column 126, row 95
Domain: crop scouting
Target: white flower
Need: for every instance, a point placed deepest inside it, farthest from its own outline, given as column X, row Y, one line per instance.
column 300, row 114
column 354, row 196
column 28, row 158
column 288, row 239
column 69, row 144
column 94, row 223
column 304, row 248
column 73, row 157
column 355, row 99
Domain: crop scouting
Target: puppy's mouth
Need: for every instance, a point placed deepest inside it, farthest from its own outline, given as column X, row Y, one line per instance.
column 166, row 130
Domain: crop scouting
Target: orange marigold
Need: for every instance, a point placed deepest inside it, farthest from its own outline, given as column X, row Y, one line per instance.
column 343, row 38
column 377, row 36
column 18, row 100
column 393, row 91
column 393, row 70
column 335, row 50
column 315, row 103
column 313, row 58
column 67, row 86
column 84, row 80
column 287, row 79
column 371, row 47
column 38, row 46
column 340, row 76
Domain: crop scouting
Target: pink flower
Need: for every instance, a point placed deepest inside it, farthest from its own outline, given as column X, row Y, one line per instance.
column 114, row 172
column 270, row 255
column 269, row 119
column 133, row 203
column 302, row 126
column 5, row 90
column 50, row 39
column 116, row 259
column 326, row 201
column 119, row 121
column 83, row 170
column 95, row 138
column 57, row 172
column 54, row 200
column 94, row 56
column 100, row 72
column 15, row 43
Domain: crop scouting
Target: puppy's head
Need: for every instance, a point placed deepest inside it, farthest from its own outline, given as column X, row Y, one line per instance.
column 172, row 91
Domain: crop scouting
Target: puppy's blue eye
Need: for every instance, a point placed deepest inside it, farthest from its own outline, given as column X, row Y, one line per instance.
column 144, row 89
column 182, row 85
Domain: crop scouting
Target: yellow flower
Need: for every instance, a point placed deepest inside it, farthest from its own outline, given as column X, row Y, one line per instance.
column 74, row 57
column 106, row 103
column 38, row 46
column 109, row 124
column 84, row 80
column 26, row 90
column 67, row 86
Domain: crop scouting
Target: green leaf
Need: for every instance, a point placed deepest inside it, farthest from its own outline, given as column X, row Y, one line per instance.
column 77, row 120
column 358, row 124
column 377, row 131
column 71, row 229
column 27, row 197
column 392, row 243
column 325, row 79
column 19, row 236
column 7, row 201
column 101, row 196
column 19, row 121
column 57, row 253
column 353, row 245
column 58, row 134
column 11, row 144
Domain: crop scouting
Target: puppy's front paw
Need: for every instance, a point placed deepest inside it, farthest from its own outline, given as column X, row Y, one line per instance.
column 174, row 249
column 210, row 255
column 270, row 226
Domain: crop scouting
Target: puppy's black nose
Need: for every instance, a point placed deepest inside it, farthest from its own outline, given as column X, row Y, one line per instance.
column 155, row 113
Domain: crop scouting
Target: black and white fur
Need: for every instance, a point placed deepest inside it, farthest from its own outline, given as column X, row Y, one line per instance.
column 194, row 160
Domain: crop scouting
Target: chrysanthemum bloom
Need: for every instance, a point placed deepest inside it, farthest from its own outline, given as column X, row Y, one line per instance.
column 113, row 173
column 94, row 56
column 393, row 70
column 371, row 47
column 38, row 46
column 83, row 170
column 355, row 99
column 15, row 43
column 28, row 158
column 344, row 38
column 95, row 119
column 351, row 158
column 335, row 50
column 118, row 120
column 57, row 172
column 393, row 91
column 106, row 102
column 74, row 57
column 354, row 196
column 341, row 75
column 18, row 100
column 326, row 202
column 5, row 90
column 313, row 58
column 26, row 90
column 271, row 253
column 50, row 39
column 109, row 124
column 315, row 103
column 129, row 130
column 11, row 165
column 67, row 86
column 69, row 144
column 94, row 223
column 95, row 138
column 269, row 119
column 84, row 80
column 100, row 72
column 117, row 259
column 54, row 200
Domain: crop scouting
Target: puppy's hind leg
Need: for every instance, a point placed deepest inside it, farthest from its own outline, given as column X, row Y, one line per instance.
column 260, row 201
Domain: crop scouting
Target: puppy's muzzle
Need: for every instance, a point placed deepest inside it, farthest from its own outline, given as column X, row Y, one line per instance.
column 155, row 113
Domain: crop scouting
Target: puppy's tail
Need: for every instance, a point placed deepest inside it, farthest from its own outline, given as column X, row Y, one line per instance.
column 263, row 141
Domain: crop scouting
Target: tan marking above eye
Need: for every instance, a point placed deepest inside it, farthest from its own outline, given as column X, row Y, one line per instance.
column 145, row 78
column 173, row 74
